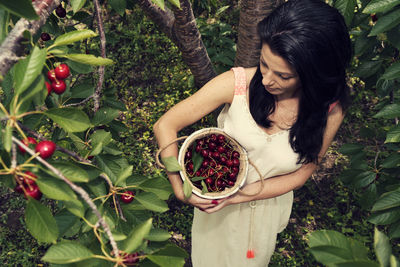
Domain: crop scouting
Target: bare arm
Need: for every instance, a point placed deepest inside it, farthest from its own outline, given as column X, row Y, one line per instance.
column 216, row 92
column 282, row 184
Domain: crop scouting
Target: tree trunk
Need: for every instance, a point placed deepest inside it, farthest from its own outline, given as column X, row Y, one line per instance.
column 180, row 26
column 248, row 46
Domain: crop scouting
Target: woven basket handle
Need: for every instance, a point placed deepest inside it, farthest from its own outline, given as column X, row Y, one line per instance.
column 162, row 148
column 261, row 180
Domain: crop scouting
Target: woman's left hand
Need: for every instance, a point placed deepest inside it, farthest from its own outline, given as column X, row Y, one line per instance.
column 218, row 204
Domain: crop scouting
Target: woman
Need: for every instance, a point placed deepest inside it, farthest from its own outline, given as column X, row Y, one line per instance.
column 284, row 112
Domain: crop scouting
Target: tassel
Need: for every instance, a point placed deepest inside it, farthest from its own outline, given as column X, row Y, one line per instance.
column 250, row 254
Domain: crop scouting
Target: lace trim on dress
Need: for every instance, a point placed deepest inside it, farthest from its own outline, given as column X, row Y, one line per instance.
column 240, row 81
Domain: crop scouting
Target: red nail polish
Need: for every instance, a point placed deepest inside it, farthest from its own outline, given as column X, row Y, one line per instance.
column 215, row 202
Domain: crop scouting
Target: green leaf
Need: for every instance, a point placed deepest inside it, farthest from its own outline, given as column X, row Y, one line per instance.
column 28, row 69
column 385, row 217
column 203, row 187
column 197, row 178
column 123, row 175
column 109, row 165
column 118, row 5
column 75, row 207
column 346, row 7
column 158, row 235
column 351, row 149
column 394, row 262
column 67, row 252
column 176, row 3
column 37, row 87
column 104, row 116
column 65, row 220
column 159, row 3
column 72, row 37
column 151, row 201
column 387, row 200
column 55, row 188
column 357, row 263
column 364, row 179
column 187, row 189
column 159, row 186
column 390, row 111
column 197, row 161
column 70, row 119
column 171, row 164
column 7, row 138
column 392, row 72
column 368, row 68
column 383, row 250
column 170, row 256
column 77, row 5
column 82, row 90
column 386, row 23
column 78, row 67
column 89, row 59
column 393, row 136
column 101, row 136
column 391, row 161
column 40, row 222
column 4, row 20
column 72, row 171
column 22, row 8
column 376, row 6
column 136, row 236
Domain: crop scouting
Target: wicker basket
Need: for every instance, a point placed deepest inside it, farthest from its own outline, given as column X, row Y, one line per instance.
column 243, row 167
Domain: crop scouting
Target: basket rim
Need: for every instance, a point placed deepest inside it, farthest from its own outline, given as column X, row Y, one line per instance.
column 213, row 195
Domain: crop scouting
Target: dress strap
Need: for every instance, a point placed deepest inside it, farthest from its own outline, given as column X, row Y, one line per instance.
column 331, row 106
column 240, row 81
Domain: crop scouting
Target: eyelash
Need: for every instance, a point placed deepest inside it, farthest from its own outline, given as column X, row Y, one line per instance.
column 280, row 76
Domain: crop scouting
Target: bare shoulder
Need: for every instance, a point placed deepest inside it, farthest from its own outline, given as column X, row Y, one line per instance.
column 221, row 87
column 249, row 74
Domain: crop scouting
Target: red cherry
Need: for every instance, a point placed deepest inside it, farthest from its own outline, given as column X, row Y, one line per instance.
column 29, row 178
column 219, row 183
column 127, row 197
column 232, row 176
column 223, row 160
column 213, row 137
column 45, row 148
column 209, row 180
column 131, row 259
column 235, row 169
column 205, row 163
column 33, row 191
column 45, row 36
column 190, row 166
column 236, row 162
column 62, row 71
column 58, row 87
column 61, row 12
column 27, row 142
column 49, row 88
column 51, row 75
column 374, row 17
column 204, row 153
column 198, row 173
column 229, row 163
column 221, row 138
column 216, row 155
column 210, row 172
column 235, row 154
column 19, row 189
column 221, row 149
column 188, row 154
column 212, row 145
column 231, row 183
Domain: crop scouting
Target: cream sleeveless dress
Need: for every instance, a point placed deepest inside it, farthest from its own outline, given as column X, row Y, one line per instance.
column 222, row 239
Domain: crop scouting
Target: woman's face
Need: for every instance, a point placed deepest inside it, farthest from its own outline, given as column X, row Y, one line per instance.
column 279, row 77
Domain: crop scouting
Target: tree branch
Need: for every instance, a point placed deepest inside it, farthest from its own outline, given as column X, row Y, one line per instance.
column 97, row 93
column 78, row 190
column 12, row 47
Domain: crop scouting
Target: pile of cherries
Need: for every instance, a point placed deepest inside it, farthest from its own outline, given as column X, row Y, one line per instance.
column 57, row 76
column 219, row 166
column 26, row 184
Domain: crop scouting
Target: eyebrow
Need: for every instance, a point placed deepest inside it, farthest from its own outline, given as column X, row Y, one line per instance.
column 277, row 72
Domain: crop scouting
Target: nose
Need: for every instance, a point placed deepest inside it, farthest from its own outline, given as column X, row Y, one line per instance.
column 267, row 79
